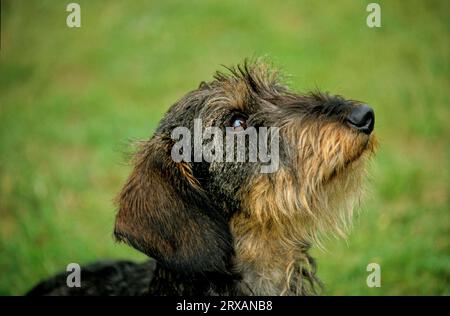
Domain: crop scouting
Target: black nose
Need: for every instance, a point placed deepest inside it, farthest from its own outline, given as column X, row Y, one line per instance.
column 362, row 118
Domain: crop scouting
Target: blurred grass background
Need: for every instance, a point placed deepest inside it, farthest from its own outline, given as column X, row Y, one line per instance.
column 71, row 99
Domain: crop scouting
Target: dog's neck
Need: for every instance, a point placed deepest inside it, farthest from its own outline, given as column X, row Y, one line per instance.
column 174, row 283
column 270, row 261
column 269, row 273
column 272, row 271
column 264, row 264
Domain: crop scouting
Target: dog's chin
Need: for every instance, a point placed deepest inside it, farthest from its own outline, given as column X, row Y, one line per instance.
column 355, row 158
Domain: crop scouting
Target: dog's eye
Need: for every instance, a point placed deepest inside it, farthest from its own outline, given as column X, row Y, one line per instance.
column 239, row 123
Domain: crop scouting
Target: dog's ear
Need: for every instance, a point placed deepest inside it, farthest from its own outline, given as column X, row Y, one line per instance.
column 164, row 213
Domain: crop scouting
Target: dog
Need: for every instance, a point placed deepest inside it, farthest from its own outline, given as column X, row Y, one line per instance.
column 225, row 227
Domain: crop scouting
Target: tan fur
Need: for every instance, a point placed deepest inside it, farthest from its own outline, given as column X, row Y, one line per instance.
column 186, row 172
column 282, row 215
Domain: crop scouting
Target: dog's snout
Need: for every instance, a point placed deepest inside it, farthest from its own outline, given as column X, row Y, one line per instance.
column 362, row 118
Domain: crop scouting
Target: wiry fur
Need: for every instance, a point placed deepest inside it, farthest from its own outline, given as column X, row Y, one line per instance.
column 224, row 228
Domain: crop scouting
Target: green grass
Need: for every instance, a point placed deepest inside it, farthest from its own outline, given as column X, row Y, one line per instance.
column 71, row 99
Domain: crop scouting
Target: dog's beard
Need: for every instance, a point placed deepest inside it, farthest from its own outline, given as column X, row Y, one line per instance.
column 283, row 213
column 331, row 162
column 314, row 195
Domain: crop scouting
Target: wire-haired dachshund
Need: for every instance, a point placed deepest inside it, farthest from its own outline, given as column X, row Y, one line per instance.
column 215, row 224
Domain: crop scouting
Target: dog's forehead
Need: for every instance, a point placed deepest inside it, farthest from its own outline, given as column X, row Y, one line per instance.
column 248, row 90
column 237, row 96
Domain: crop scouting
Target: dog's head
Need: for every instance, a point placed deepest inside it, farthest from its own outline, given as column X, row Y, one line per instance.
column 195, row 206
